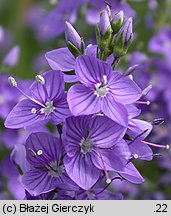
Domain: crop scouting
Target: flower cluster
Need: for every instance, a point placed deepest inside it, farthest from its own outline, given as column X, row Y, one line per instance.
column 93, row 109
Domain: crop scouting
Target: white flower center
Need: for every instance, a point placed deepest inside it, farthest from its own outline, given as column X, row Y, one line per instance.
column 101, row 88
column 48, row 109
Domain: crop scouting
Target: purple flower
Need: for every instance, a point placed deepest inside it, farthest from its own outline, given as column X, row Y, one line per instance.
column 104, row 22
column 92, row 144
column 50, row 24
column 101, row 89
column 44, row 196
column 131, row 174
column 138, row 131
column 72, row 36
column 161, row 43
column 47, row 102
column 12, row 57
column 45, row 155
column 116, row 20
column 92, row 14
column 8, row 95
column 99, row 191
column 13, row 179
column 62, row 59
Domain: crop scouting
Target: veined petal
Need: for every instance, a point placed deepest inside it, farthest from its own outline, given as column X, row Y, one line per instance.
column 70, row 78
column 91, row 70
column 143, row 151
column 38, row 181
column 61, row 59
column 137, row 126
column 22, row 115
column 124, row 89
column 122, row 150
column 133, row 111
column 114, row 110
column 82, row 100
column 51, row 149
column 75, row 129
column 91, row 50
column 81, row 170
column 131, row 174
column 107, row 159
column 61, row 111
column 105, row 132
column 54, row 85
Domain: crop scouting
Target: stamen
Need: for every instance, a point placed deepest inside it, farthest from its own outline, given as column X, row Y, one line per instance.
column 48, row 109
column 40, row 79
column 104, row 80
column 154, row 155
column 108, row 180
column 104, row 167
column 158, row 121
column 131, row 70
column 147, row 90
column 156, row 145
column 32, row 152
column 116, row 178
column 135, row 156
column 108, row 4
column 33, row 110
column 143, row 102
column 39, row 152
column 12, row 81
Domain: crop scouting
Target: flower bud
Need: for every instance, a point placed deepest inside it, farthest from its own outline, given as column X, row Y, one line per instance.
column 127, row 29
column 104, row 22
column 74, row 41
column 103, row 30
column 116, row 21
column 123, row 39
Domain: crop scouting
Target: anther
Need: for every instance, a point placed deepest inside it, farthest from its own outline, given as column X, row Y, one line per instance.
column 12, row 81
column 104, row 80
column 108, row 180
column 40, row 79
column 33, row 111
column 147, row 90
column 156, row 145
column 131, row 70
column 135, row 156
column 32, row 152
column 158, row 121
column 167, row 147
column 39, row 152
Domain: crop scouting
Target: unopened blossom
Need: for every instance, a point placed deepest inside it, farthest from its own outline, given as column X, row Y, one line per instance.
column 72, row 36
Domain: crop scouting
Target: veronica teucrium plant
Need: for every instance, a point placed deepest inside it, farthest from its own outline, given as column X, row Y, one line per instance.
column 99, row 134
